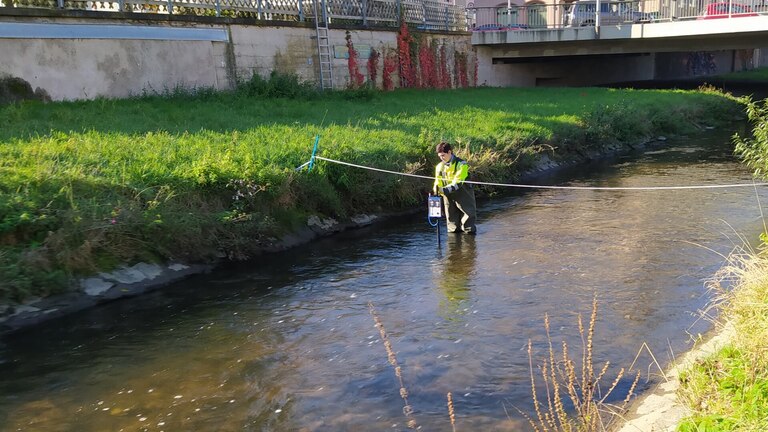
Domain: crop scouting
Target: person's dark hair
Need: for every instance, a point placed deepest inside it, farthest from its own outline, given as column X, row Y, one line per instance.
column 443, row 147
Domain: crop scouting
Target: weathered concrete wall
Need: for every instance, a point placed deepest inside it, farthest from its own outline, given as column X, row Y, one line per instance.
column 696, row 63
column 75, row 68
column 761, row 58
column 260, row 50
column 83, row 69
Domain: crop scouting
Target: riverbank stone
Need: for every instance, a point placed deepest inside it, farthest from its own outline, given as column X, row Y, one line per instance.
column 323, row 225
column 25, row 309
column 363, row 219
column 134, row 274
column 124, row 282
column 95, row 286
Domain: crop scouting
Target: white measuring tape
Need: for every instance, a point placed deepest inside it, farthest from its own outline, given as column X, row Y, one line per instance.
column 639, row 188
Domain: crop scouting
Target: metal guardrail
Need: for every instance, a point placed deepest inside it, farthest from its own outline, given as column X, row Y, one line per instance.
column 427, row 14
column 424, row 14
column 584, row 13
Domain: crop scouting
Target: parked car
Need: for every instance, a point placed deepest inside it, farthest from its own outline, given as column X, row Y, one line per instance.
column 725, row 10
column 488, row 27
column 499, row 27
column 582, row 13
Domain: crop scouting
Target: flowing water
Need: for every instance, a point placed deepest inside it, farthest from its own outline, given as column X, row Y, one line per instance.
column 288, row 342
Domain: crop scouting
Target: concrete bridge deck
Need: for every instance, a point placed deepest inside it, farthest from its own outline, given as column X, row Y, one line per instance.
column 674, row 36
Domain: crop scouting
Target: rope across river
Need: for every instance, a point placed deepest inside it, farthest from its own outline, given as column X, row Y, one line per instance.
column 530, row 186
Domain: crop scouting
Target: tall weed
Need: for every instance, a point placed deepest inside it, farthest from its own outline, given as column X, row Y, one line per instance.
column 565, row 383
column 278, row 85
column 753, row 149
column 729, row 389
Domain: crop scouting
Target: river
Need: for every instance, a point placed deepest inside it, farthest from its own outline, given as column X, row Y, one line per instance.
column 288, row 342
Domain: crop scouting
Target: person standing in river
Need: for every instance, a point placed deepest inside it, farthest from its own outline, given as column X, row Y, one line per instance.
column 458, row 196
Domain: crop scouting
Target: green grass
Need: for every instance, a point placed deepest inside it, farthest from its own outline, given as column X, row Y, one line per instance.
column 759, row 74
column 729, row 390
column 90, row 184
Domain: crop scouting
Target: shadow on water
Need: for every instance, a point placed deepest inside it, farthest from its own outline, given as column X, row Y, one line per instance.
column 286, row 342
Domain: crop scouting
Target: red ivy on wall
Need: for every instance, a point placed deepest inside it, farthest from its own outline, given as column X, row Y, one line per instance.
column 356, row 79
column 420, row 62
column 445, row 76
column 426, row 66
column 390, row 66
column 460, row 69
column 408, row 77
column 373, row 66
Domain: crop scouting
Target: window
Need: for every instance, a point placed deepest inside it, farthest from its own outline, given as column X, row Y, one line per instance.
column 506, row 17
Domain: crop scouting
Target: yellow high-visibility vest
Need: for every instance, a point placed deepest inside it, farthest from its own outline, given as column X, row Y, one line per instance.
column 450, row 175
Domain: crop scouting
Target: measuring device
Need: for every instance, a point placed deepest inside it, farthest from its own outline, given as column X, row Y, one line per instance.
column 435, row 211
column 435, row 206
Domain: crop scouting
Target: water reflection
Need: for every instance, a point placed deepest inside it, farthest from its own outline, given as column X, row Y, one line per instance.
column 455, row 275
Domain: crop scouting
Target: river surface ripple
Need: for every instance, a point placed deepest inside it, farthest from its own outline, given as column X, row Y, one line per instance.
column 287, row 342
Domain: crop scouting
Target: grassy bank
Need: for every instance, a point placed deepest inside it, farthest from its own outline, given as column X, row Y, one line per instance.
column 85, row 186
column 729, row 390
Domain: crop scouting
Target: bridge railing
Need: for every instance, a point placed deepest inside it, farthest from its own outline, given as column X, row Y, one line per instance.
column 709, row 9
column 424, row 14
column 559, row 15
column 581, row 14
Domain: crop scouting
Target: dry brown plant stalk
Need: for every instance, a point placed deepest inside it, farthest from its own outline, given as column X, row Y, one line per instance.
column 451, row 412
column 582, row 387
column 407, row 409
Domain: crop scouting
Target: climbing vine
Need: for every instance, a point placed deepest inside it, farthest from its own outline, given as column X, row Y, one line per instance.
column 373, row 67
column 356, row 79
column 408, row 77
column 460, row 69
column 390, row 66
column 445, row 76
column 419, row 60
column 427, row 66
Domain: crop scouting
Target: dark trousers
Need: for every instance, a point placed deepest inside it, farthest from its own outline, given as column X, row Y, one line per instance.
column 460, row 209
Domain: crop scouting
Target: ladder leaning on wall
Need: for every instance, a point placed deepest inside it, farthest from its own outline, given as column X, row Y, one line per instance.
column 323, row 47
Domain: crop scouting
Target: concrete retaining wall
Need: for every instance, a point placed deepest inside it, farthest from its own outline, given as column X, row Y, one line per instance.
column 96, row 60
column 84, row 69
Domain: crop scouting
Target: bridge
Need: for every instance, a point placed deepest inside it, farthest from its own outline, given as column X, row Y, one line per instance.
column 622, row 26
column 565, row 44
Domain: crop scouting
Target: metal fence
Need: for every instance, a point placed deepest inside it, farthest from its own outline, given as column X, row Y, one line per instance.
column 424, row 14
column 584, row 13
